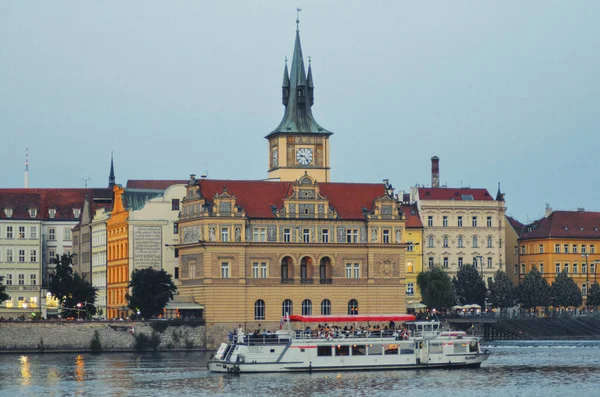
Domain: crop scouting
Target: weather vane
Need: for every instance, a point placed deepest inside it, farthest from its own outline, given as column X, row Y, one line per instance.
column 298, row 9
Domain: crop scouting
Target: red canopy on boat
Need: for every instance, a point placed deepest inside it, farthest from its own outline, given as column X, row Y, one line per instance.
column 351, row 319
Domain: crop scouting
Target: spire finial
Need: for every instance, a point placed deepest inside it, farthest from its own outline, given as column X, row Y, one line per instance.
column 286, row 59
column 26, row 179
column 309, row 60
column 298, row 9
column 111, row 176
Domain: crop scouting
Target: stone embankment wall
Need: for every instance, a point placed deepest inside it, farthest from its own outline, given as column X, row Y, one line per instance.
column 77, row 336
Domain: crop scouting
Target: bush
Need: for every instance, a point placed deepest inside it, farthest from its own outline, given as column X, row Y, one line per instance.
column 144, row 342
column 159, row 326
column 95, row 344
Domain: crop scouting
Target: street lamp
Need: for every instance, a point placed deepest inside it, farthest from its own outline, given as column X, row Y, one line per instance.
column 79, row 304
column 587, row 277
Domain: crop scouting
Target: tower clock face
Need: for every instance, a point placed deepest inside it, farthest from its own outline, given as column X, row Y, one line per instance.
column 304, row 156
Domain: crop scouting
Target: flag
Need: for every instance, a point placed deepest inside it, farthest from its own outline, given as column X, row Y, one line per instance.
column 281, row 323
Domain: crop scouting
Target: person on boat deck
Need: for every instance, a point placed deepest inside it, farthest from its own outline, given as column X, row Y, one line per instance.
column 240, row 334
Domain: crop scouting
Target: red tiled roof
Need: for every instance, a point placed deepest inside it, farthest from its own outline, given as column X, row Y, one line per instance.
column 411, row 214
column 158, row 184
column 257, row 197
column 448, row 193
column 63, row 200
column 516, row 225
column 565, row 224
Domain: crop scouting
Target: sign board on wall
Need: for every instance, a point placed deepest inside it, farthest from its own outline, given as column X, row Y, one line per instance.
column 147, row 247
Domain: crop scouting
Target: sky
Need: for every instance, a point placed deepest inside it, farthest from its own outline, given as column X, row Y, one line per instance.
column 502, row 91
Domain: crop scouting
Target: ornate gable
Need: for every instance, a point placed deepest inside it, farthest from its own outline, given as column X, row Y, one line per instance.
column 304, row 200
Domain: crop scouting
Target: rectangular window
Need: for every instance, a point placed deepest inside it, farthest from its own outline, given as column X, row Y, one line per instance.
column 175, row 228
column 460, row 223
column 306, row 235
column 224, row 269
column 557, row 248
column 263, row 270
column 410, row 247
column 67, row 234
column 33, row 279
column 21, row 279
column 489, row 221
column 430, row 262
column 352, row 236
column 175, row 204
column 541, row 248
column 9, row 232
column 255, row 270
column 575, row 269
column 32, row 232
column 566, row 267
column 583, row 289
column 410, row 289
column 8, row 280
column 460, row 262
column 286, row 235
column 474, row 221
column 583, row 268
column 566, row 247
column 583, row 249
column 574, row 248
column 430, row 220
column 21, row 231
column 21, row 255
column 490, row 262
column 386, row 236
column 592, row 249
column 325, row 235
column 522, row 250
column 51, row 234
column 9, row 255
column 33, row 255
column 446, row 262
column 224, row 234
column 522, row 268
column 593, row 268
column 445, row 221
column 356, row 270
column 541, row 268
column 557, row 268
column 348, row 270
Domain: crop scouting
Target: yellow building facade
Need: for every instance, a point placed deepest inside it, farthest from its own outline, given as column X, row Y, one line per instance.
column 414, row 252
column 117, row 266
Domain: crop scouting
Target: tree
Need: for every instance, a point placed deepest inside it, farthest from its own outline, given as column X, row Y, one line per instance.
column 593, row 299
column 70, row 289
column 534, row 291
column 502, row 291
column 3, row 295
column 151, row 290
column 469, row 286
column 565, row 291
column 436, row 289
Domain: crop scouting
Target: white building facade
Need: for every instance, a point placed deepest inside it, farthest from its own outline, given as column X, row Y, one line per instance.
column 98, row 232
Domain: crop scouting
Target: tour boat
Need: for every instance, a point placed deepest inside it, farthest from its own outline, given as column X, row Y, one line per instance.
column 414, row 345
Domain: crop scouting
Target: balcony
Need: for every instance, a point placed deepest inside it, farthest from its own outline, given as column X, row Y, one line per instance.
column 326, row 281
column 287, row 281
column 306, row 281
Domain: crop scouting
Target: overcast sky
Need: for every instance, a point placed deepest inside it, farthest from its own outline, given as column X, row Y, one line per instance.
column 503, row 91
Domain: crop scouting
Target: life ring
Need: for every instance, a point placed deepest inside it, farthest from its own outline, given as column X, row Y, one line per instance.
column 131, row 330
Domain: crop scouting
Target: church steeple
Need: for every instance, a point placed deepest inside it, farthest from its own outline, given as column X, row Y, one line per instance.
column 111, row 177
column 298, row 97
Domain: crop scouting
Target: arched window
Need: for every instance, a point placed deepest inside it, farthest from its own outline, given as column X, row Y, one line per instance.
column 445, row 241
column 306, row 307
column 303, row 269
column 461, row 242
column 325, row 307
column 353, row 307
column 259, row 310
column 284, row 268
column 489, row 241
column 474, row 241
column 430, row 241
column 287, row 308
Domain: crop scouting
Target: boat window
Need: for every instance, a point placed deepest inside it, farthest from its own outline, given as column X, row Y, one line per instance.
column 473, row 347
column 460, row 348
column 359, row 350
column 391, row 349
column 406, row 348
column 324, row 351
column 341, row 350
column 435, row 348
column 375, row 350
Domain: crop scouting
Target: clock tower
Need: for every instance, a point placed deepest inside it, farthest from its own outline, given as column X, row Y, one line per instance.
column 298, row 145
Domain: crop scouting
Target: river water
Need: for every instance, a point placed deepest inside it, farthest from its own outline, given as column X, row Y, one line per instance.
column 523, row 368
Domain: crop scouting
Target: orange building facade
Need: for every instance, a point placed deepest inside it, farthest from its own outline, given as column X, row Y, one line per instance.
column 117, row 278
column 562, row 241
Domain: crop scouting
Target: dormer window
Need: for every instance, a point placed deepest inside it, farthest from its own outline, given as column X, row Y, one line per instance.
column 76, row 213
column 8, row 212
column 52, row 213
column 33, row 212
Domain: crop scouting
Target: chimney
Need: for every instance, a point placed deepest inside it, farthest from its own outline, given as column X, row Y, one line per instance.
column 435, row 171
column 548, row 211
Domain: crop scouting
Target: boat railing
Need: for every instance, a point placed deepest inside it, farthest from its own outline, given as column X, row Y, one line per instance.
column 320, row 335
column 274, row 339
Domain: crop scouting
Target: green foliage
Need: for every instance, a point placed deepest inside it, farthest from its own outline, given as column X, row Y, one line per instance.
column 151, row 290
column 565, row 291
column 159, row 326
column 469, row 286
column 534, row 291
column 189, row 344
column 436, row 289
column 70, row 289
column 145, row 342
column 3, row 295
column 96, row 344
column 594, row 295
column 503, row 293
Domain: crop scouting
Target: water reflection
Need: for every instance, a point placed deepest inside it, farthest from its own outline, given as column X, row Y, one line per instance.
column 79, row 368
column 25, row 370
